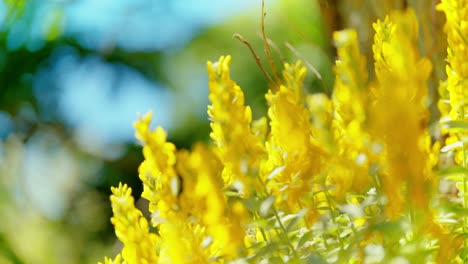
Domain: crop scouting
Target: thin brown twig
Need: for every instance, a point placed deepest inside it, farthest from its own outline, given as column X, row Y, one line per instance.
column 271, row 62
column 257, row 59
column 272, row 44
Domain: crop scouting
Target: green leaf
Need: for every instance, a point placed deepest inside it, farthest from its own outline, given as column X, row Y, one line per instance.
column 453, row 170
column 458, row 124
column 305, row 238
column 457, row 209
column 463, row 253
column 315, row 260
column 447, row 221
column 295, row 220
column 55, row 25
column 232, row 194
column 15, row 8
column 460, row 186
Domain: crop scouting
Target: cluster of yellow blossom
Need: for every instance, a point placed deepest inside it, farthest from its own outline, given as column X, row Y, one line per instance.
column 132, row 229
column 453, row 104
column 350, row 104
column 400, row 97
column 319, row 178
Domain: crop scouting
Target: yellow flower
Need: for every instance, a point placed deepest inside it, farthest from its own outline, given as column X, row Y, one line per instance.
column 351, row 162
column 453, row 102
column 183, row 242
column 160, row 182
column 399, row 117
column 186, row 199
column 456, row 28
column 321, row 113
column 131, row 227
column 204, row 200
column 293, row 158
column 237, row 146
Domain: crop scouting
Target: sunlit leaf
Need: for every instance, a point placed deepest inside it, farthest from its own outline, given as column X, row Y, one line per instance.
column 453, row 170
column 458, row 124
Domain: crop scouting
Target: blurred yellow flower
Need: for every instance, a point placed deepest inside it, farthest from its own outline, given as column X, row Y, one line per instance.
column 400, row 113
column 350, row 103
column 321, row 179
column 293, row 156
column 204, row 201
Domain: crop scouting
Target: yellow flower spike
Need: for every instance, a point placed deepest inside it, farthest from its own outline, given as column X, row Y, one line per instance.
column 183, row 242
column 349, row 169
column 453, row 92
column 237, row 147
column 350, row 93
column 132, row 228
column 203, row 196
column 456, row 29
column 160, row 182
column 284, row 128
column 173, row 200
column 142, row 127
column 287, row 102
column 400, row 97
column 294, row 75
column 453, row 106
column 293, row 159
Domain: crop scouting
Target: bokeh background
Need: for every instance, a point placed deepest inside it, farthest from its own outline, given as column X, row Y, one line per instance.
column 74, row 74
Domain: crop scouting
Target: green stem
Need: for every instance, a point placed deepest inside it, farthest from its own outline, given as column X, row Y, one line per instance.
column 465, row 196
column 8, row 252
column 285, row 232
column 332, row 213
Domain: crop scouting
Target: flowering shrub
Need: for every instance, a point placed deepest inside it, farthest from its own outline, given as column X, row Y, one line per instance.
column 355, row 177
